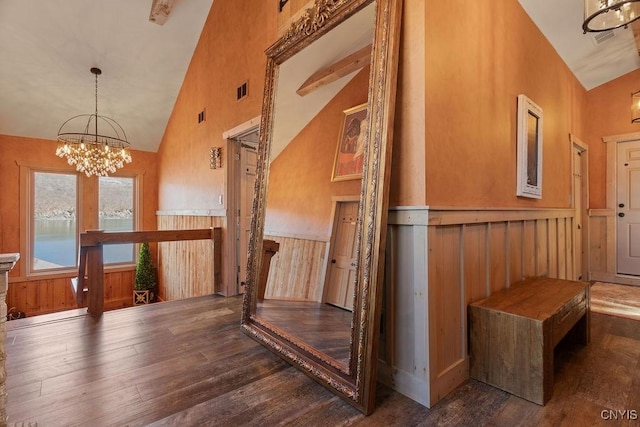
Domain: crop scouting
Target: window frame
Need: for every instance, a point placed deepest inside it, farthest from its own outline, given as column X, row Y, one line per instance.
column 87, row 201
column 136, row 207
column 31, row 223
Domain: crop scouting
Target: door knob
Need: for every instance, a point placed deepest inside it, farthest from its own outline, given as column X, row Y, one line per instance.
column 621, row 205
column 333, row 261
column 621, row 214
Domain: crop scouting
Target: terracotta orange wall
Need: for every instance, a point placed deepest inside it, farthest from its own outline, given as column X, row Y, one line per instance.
column 479, row 57
column 300, row 191
column 230, row 51
column 608, row 113
column 455, row 131
column 41, row 153
column 227, row 54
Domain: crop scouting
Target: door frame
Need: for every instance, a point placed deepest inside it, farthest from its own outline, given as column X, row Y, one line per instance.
column 233, row 199
column 334, row 226
column 611, row 274
column 581, row 147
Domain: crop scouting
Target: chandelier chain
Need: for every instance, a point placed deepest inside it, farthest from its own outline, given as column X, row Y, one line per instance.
column 93, row 153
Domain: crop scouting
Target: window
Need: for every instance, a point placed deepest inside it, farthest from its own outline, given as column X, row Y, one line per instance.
column 116, row 213
column 54, row 224
column 52, row 203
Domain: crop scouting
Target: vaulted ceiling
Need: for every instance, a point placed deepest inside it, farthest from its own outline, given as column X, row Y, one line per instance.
column 593, row 59
column 48, row 46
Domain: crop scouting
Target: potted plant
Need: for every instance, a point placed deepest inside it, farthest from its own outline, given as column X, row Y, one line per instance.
column 145, row 283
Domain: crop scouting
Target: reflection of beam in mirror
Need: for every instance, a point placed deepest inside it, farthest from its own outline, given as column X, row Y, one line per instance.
column 293, row 112
column 333, row 72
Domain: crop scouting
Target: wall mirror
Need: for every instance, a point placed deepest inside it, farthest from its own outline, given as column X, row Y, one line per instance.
column 319, row 212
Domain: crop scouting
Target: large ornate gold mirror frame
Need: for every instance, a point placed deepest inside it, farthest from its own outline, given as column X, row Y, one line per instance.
column 352, row 374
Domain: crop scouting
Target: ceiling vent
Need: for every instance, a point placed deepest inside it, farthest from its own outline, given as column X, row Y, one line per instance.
column 601, row 37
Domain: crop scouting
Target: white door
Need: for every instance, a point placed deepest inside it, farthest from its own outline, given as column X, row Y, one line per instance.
column 342, row 257
column 628, row 207
column 248, row 163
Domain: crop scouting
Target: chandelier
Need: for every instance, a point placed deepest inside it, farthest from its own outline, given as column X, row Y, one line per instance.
column 91, row 152
column 605, row 15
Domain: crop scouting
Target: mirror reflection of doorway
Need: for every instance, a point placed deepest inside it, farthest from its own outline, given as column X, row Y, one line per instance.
column 244, row 178
column 343, row 262
column 248, row 162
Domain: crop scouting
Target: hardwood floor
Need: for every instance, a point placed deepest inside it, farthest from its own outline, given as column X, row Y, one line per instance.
column 187, row 363
column 322, row 326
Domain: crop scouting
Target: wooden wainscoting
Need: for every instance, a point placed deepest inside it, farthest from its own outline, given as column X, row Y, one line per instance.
column 602, row 244
column 301, row 276
column 298, row 269
column 475, row 253
column 404, row 341
column 186, row 269
column 603, row 248
column 439, row 261
column 53, row 293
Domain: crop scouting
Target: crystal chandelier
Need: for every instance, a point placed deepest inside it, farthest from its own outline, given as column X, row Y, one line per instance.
column 605, row 15
column 91, row 152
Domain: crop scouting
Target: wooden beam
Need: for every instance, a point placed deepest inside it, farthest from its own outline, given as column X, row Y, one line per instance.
column 77, row 283
column 91, row 261
column 95, row 263
column 160, row 10
column 333, row 72
column 98, row 237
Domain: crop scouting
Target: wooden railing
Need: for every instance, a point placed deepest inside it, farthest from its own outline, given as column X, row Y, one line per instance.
column 91, row 264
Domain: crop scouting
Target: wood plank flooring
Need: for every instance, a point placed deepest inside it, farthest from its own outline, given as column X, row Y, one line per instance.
column 322, row 326
column 187, row 363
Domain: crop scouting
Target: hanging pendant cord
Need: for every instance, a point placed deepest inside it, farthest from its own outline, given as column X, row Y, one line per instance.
column 96, row 108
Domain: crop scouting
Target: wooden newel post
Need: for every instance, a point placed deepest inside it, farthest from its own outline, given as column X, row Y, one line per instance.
column 95, row 276
column 7, row 261
column 269, row 249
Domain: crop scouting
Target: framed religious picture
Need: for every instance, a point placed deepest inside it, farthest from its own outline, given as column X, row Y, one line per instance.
column 529, row 155
column 350, row 151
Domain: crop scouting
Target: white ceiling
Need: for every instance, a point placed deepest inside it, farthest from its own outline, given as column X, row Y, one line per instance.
column 561, row 22
column 48, row 46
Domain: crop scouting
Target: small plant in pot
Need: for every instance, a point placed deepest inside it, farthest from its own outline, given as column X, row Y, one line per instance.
column 145, row 283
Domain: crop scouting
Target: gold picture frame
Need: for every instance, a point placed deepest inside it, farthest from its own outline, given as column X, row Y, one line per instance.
column 349, row 160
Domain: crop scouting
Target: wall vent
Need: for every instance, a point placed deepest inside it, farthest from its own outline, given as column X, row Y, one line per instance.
column 242, row 91
column 601, row 37
column 201, row 116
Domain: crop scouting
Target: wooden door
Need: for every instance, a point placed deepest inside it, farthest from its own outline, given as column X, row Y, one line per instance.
column 342, row 256
column 577, row 205
column 248, row 162
column 628, row 208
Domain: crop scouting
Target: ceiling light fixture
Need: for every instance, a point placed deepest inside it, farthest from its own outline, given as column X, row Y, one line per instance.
column 91, row 152
column 604, row 15
column 635, row 107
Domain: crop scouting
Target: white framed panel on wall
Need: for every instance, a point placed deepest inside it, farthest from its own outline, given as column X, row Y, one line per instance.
column 529, row 154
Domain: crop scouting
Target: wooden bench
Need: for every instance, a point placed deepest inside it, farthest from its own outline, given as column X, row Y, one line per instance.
column 513, row 333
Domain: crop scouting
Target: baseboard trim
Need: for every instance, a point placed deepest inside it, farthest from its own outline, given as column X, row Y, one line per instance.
column 406, row 383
